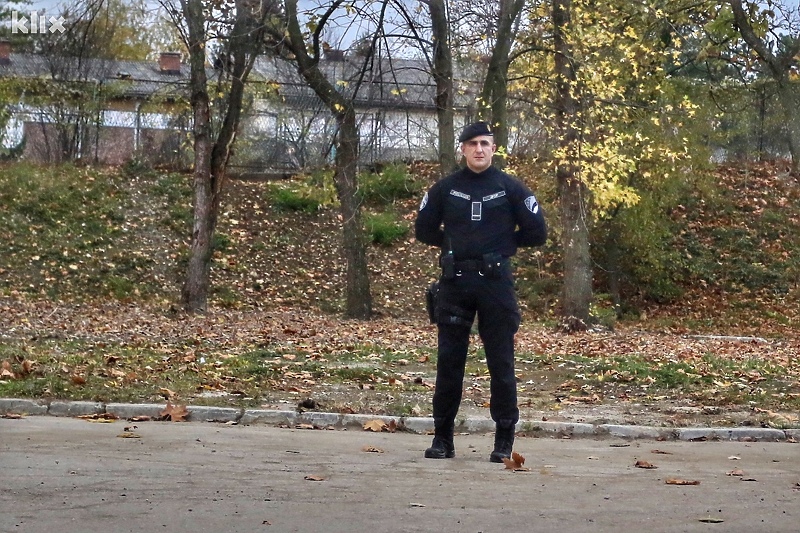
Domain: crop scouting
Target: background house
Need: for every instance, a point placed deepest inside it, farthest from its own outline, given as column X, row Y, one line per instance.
column 90, row 109
column 111, row 111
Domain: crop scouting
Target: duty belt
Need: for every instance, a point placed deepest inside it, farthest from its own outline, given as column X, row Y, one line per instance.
column 469, row 265
column 489, row 265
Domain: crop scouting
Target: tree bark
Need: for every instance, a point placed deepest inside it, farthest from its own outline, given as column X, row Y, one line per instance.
column 790, row 102
column 443, row 74
column 358, row 296
column 211, row 155
column 197, row 282
column 494, row 94
column 359, row 299
column 780, row 66
column 577, row 292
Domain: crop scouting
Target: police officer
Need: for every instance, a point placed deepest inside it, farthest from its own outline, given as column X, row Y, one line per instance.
column 478, row 216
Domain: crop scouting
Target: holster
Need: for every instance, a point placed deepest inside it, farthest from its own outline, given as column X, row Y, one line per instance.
column 431, row 300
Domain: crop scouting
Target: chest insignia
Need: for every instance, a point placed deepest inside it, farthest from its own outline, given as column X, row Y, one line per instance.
column 459, row 194
column 493, row 196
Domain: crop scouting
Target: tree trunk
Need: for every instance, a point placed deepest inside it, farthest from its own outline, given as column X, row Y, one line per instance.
column 206, row 208
column 443, row 74
column 359, row 299
column 780, row 64
column 613, row 254
column 211, row 156
column 790, row 102
column 195, row 288
column 494, row 94
column 577, row 293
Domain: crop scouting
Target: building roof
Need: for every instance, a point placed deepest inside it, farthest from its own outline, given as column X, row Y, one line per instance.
column 395, row 83
column 136, row 79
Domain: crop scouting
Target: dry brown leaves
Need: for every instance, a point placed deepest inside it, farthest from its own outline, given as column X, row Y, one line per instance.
column 175, row 412
column 515, row 463
column 377, row 425
column 678, row 481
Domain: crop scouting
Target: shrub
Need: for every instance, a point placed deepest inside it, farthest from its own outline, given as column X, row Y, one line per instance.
column 307, row 194
column 384, row 228
column 295, row 200
column 391, row 184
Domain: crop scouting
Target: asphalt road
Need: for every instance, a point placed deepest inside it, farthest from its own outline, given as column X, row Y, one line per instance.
column 67, row 475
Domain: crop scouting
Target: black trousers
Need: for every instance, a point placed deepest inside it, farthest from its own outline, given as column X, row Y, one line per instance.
column 495, row 304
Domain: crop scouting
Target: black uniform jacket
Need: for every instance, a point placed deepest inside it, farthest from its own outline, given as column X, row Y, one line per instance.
column 472, row 214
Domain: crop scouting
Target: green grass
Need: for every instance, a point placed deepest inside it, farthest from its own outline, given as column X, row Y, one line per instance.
column 385, row 228
column 712, row 380
column 72, row 232
column 386, row 187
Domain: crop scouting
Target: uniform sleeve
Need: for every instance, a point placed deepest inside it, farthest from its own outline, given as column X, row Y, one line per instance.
column 530, row 219
column 428, row 226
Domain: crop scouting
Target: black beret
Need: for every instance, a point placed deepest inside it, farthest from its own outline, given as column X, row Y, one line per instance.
column 474, row 130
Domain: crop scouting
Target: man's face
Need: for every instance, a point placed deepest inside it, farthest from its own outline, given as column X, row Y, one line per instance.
column 478, row 152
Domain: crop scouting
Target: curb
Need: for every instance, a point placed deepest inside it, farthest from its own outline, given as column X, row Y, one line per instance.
column 421, row 425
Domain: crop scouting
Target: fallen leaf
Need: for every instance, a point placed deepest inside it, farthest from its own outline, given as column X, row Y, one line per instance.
column 372, row 449
column 676, row 481
column 6, row 370
column 710, row 520
column 143, row 418
column 594, row 398
column 515, row 463
column 314, row 478
column 175, row 413
column 736, row 472
column 413, row 504
column 734, row 458
column 99, row 417
column 376, row 425
column 129, row 435
column 662, row 452
column 641, row 463
column 13, row 416
column 166, row 393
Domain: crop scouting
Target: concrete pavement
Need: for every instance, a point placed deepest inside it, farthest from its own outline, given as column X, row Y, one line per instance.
column 60, row 473
column 464, row 424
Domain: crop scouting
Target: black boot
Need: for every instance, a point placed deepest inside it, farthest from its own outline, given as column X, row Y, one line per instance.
column 442, row 446
column 503, row 441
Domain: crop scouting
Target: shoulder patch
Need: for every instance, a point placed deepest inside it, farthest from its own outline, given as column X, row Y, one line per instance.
column 424, row 202
column 532, row 204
